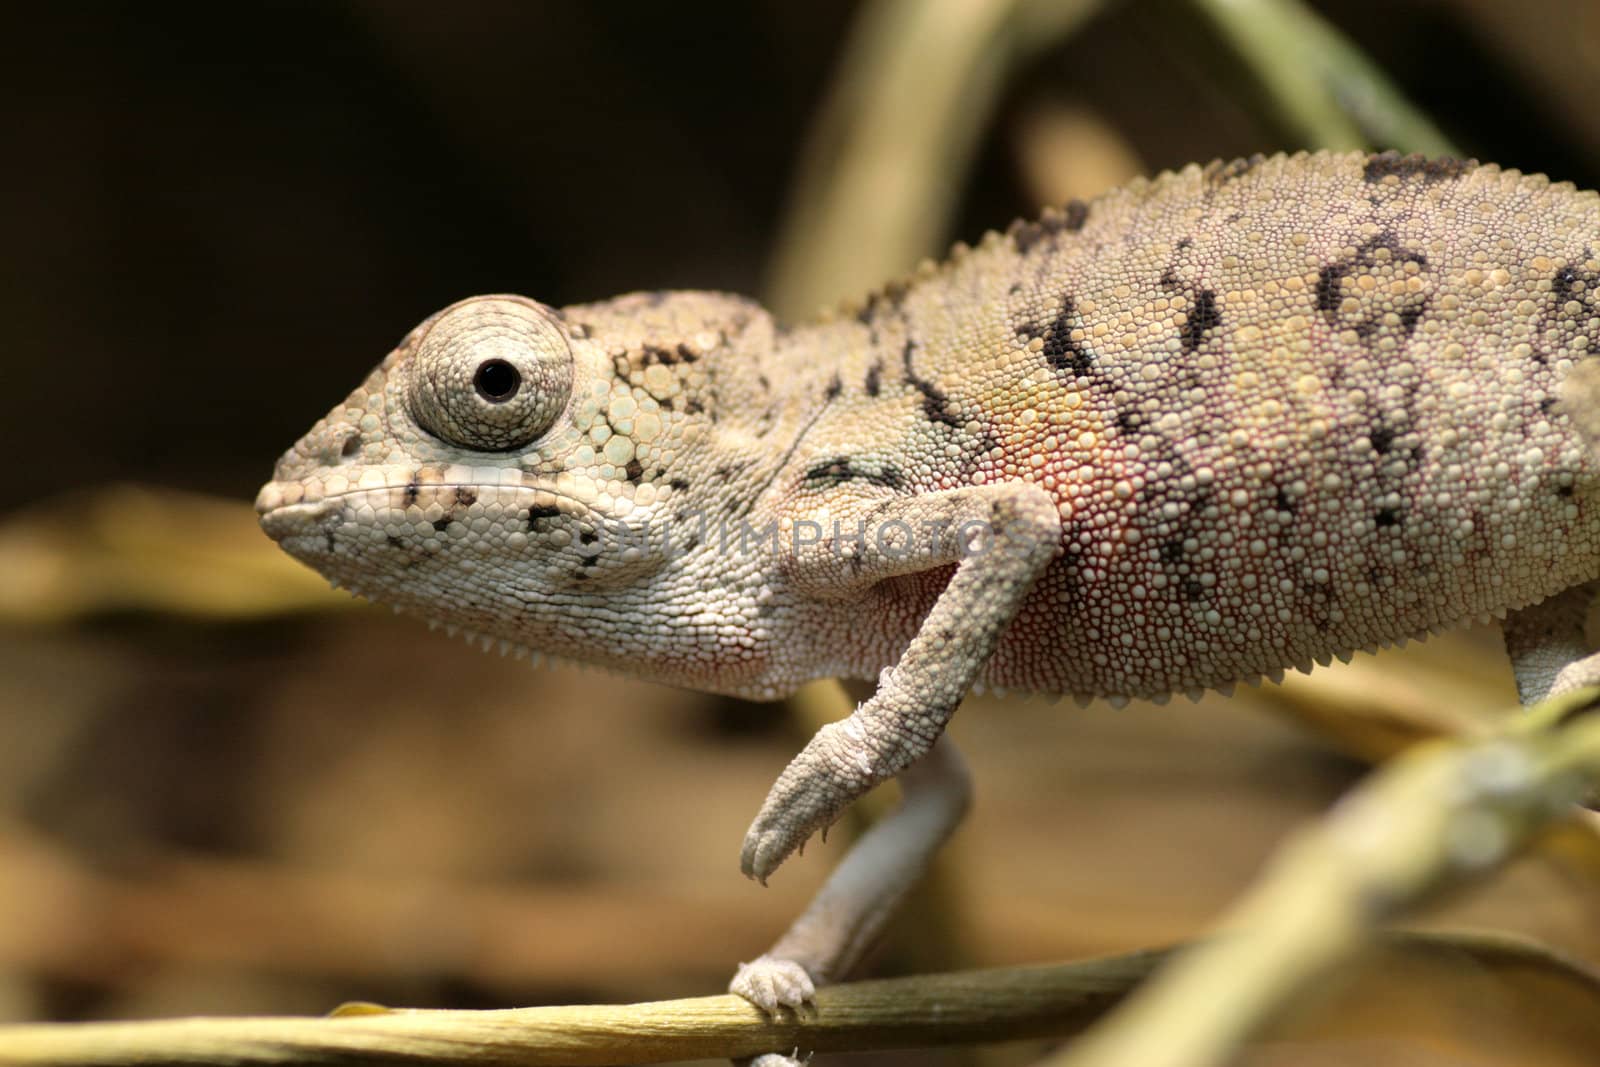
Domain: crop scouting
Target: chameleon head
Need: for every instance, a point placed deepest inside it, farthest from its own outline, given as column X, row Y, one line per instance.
column 442, row 483
column 537, row 475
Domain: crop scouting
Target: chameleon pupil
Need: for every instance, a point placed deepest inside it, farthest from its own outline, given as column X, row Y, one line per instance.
column 497, row 381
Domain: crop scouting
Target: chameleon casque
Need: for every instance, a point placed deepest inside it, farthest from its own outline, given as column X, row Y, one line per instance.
column 1234, row 419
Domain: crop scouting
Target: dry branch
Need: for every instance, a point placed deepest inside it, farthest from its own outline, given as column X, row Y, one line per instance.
column 973, row 1006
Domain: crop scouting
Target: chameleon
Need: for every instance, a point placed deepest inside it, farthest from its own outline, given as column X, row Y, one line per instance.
column 1235, row 419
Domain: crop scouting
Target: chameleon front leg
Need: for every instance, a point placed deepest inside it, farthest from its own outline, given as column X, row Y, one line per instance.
column 1002, row 537
column 845, row 917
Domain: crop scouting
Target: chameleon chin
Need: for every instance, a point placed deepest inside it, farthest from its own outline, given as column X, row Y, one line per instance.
column 1231, row 420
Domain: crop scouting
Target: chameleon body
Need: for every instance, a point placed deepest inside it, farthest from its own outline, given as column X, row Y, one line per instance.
column 1238, row 418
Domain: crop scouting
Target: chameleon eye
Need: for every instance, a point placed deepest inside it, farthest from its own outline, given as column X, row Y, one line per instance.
column 497, row 381
column 490, row 374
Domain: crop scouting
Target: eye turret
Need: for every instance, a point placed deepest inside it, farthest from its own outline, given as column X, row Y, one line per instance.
column 491, row 374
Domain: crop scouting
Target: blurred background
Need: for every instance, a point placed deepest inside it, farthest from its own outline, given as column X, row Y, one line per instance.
column 225, row 790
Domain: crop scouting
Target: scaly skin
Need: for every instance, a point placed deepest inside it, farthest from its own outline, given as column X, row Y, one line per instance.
column 1231, row 420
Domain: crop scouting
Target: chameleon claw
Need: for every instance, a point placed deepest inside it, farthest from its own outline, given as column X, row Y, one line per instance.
column 784, row 825
column 764, row 852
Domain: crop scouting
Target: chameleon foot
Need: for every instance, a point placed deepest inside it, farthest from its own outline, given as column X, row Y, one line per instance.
column 771, row 983
column 838, row 765
column 778, row 1059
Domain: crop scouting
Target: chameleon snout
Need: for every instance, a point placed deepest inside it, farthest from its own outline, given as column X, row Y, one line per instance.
column 285, row 510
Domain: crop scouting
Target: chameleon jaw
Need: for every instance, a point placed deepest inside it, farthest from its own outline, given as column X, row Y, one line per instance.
column 281, row 521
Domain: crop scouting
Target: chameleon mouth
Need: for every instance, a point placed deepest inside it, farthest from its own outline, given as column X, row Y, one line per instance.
column 301, row 505
column 283, row 521
column 284, row 510
column 305, row 516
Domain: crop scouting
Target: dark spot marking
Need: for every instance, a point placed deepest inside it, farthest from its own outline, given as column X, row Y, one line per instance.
column 891, row 296
column 693, row 407
column 1172, row 551
column 1328, row 279
column 588, row 537
column 328, row 541
column 442, row 525
column 1203, row 316
column 1128, row 421
column 541, row 511
column 1411, row 315
column 874, row 380
column 634, row 471
column 466, row 497
column 1563, row 491
column 1382, row 438
column 833, row 472
column 835, row 387
column 1192, row 589
column 687, row 354
column 1387, row 517
column 679, row 483
column 1234, row 170
column 1547, row 405
column 1393, row 164
column 1069, row 219
column 1566, row 281
column 394, row 542
column 1025, row 235
column 1060, row 350
column 1284, row 502
column 935, row 404
column 1169, row 280
column 412, row 489
column 1184, row 243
